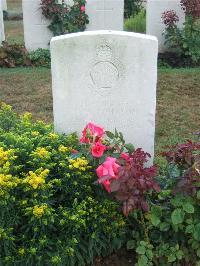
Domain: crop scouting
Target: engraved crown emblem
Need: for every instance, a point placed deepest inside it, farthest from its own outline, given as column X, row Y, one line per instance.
column 104, row 52
column 104, row 73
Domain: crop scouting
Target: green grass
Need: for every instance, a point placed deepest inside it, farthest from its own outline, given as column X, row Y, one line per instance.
column 28, row 89
column 178, row 100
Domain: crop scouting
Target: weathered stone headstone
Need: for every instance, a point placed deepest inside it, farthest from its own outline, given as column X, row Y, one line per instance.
column 4, row 5
column 105, row 14
column 155, row 27
column 36, row 33
column 108, row 78
column 2, row 34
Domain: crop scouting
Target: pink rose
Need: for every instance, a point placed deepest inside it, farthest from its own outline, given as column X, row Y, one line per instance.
column 98, row 149
column 82, row 8
column 91, row 133
column 108, row 169
column 125, row 156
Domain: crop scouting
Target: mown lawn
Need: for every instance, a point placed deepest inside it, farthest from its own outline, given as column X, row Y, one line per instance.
column 178, row 99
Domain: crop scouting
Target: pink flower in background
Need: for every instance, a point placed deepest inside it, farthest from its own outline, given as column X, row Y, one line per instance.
column 108, row 169
column 98, row 149
column 91, row 133
column 82, row 8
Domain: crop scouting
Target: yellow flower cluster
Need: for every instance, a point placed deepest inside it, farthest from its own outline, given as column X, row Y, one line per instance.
column 79, row 164
column 35, row 133
column 27, row 116
column 38, row 211
column 21, row 251
column 53, row 136
column 41, row 152
column 36, row 180
column 8, row 181
column 4, row 155
column 63, row 148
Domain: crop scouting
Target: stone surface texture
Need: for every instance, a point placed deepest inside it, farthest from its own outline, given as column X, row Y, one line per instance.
column 155, row 27
column 105, row 14
column 2, row 34
column 36, row 33
column 4, row 5
column 108, row 78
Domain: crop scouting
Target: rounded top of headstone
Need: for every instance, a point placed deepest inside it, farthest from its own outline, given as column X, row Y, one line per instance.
column 104, row 33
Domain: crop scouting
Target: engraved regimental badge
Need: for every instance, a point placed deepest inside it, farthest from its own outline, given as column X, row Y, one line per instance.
column 106, row 70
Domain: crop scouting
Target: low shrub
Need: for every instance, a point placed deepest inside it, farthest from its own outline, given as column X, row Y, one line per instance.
column 136, row 23
column 132, row 7
column 184, row 42
column 52, row 213
column 13, row 55
column 40, row 57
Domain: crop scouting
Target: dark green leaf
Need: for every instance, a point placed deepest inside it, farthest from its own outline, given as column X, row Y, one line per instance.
column 130, row 244
column 188, row 207
column 177, row 216
column 140, row 250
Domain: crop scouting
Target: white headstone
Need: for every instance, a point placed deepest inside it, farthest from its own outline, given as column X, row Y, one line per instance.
column 108, row 78
column 4, row 5
column 2, row 34
column 105, row 14
column 155, row 26
column 36, row 33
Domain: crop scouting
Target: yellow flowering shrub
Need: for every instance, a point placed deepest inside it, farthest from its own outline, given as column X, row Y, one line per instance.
column 41, row 152
column 79, row 164
column 51, row 210
column 36, row 180
column 38, row 211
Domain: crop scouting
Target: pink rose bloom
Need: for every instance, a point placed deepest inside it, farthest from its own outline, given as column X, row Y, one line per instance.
column 93, row 132
column 125, row 156
column 109, row 168
column 98, row 149
column 82, row 8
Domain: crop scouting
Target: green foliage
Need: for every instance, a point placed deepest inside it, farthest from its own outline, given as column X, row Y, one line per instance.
column 185, row 42
column 13, row 55
column 169, row 234
column 40, row 57
column 136, row 23
column 132, row 7
column 64, row 18
column 51, row 213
